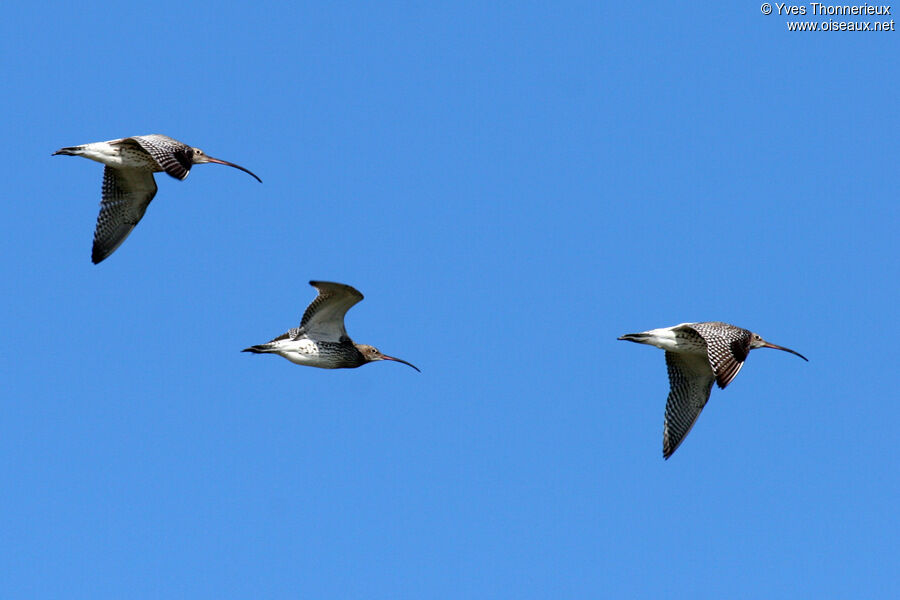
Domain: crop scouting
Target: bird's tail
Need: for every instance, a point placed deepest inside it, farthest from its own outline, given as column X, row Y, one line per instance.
column 259, row 349
column 639, row 338
column 70, row 151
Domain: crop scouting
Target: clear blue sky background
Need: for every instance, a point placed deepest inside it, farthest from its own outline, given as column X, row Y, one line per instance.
column 512, row 187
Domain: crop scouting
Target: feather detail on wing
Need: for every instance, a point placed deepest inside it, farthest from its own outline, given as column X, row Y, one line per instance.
column 690, row 381
column 126, row 195
column 324, row 318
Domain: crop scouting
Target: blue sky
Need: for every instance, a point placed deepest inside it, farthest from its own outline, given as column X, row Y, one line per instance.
column 512, row 186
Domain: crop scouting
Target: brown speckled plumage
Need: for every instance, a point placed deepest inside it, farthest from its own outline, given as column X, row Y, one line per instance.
column 321, row 339
column 128, row 184
column 697, row 354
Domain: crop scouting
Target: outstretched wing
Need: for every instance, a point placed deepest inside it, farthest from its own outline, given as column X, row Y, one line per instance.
column 690, row 381
column 324, row 317
column 126, row 195
column 173, row 157
column 727, row 347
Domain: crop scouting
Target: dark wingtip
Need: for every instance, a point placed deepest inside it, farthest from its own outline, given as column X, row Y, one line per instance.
column 98, row 255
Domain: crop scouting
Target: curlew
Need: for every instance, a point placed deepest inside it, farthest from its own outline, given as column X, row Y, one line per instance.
column 321, row 340
column 697, row 354
column 128, row 184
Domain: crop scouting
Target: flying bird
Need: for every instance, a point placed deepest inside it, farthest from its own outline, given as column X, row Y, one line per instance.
column 697, row 354
column 128, row 184
column 321, row 340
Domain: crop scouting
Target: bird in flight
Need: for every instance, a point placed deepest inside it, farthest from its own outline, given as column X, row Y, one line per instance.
column 128, row 184
column 698, row 354
column 321, row 340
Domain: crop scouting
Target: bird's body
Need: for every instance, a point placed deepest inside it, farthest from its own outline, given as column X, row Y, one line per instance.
column 302, row 350
column 697, row 355
column 321, row 339
column 128, row 183
column 118, row 154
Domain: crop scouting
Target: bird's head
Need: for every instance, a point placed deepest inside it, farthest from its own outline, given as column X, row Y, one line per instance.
column 756, row 341
column 371, row 354
column 198, row 157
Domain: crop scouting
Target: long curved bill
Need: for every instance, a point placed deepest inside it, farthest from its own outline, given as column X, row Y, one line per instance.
column 228, row 164
column 400, row 360
column 776, row 347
